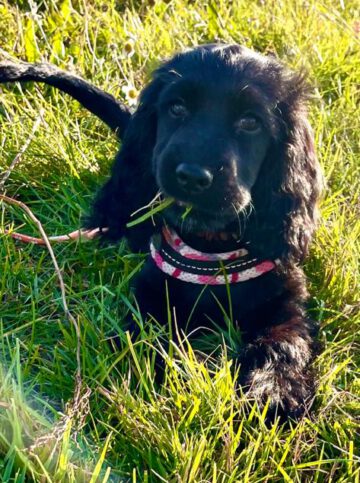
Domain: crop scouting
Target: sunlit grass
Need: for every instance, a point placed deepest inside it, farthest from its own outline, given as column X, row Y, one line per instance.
column 197, row 426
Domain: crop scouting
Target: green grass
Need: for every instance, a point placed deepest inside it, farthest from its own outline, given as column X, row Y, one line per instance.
column 196, row 427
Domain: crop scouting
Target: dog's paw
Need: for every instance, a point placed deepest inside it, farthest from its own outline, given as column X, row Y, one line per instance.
column 285, row 393
column 286, row 385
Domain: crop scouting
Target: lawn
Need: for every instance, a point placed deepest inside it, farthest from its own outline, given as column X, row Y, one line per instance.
column 70, row 408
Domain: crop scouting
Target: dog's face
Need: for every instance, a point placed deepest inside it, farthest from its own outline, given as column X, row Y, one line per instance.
column 224, row 130
column 215, row 125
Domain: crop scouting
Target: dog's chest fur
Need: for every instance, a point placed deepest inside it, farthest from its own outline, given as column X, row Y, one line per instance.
column 196, row 305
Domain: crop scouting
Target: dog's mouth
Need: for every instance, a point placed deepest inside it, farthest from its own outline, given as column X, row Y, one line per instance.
column 190, row 217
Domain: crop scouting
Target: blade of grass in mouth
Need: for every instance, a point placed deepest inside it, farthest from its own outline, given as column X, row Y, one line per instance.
column 156, row 209
column 186, row 212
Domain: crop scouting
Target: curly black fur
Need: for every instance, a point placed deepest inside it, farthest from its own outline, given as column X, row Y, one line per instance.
column 265, row 183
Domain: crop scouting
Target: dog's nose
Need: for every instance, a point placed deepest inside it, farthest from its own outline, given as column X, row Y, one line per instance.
column 193, row 178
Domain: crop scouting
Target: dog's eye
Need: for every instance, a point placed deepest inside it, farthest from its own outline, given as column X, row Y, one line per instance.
column 248, row 123
column 178, row 110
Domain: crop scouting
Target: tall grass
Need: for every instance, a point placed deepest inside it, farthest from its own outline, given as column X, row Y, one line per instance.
column 123, row 426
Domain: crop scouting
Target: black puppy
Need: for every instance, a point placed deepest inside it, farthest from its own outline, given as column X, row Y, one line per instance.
column 223, row 131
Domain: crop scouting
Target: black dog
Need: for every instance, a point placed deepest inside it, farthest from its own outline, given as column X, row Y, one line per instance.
column 223, row 131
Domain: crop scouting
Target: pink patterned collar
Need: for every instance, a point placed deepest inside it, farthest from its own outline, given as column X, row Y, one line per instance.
column 177, row 259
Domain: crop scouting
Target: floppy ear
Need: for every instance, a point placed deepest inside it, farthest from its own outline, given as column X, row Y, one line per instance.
column 288, row 187
column 132, row 184
column 302, row 183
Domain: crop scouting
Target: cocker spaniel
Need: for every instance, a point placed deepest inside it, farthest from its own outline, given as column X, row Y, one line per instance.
column 222, row 131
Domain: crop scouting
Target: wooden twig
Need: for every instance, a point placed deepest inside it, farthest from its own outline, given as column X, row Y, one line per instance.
column 69, row 316
column 84, row 235
column 17, row 158
column 78, row 407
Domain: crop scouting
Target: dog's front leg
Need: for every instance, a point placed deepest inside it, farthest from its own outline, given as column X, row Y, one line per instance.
column 275, row 366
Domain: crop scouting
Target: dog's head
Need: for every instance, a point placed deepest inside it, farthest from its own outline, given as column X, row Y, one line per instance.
column 224, row 131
